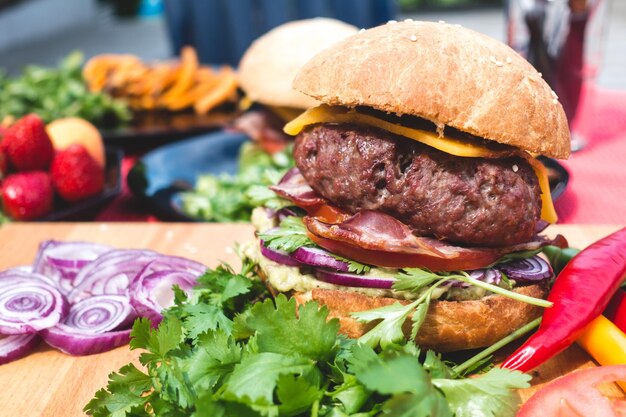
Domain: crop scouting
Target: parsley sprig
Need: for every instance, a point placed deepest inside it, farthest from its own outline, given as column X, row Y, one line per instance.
column 274, row 358
column 290, row 236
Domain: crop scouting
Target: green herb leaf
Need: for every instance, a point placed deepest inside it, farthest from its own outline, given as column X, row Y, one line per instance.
column 400, row 375
column 214, row 357
column 296, row 395
column 389, row 331
column 353, row 266
column 233, row 197
column 255, row 378
column 290, row 236
column 123, row 393
column 280, row 330
column 415, row 279
column 488, row 395
column 158, row 342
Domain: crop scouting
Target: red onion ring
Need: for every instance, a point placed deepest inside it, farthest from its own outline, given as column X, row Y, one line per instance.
column 278, row 256
column 63, row 260
column 79, row 344
column 319, row 258
column 490, row 276
column 353, row 280
column 152, row 293
column 92, row 326
column 530, row 269
column 16, row 346
column 151, row 289
column 29, row 303
column 110, row 273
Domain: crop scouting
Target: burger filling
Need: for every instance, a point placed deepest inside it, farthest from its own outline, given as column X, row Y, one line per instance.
column 468, row 201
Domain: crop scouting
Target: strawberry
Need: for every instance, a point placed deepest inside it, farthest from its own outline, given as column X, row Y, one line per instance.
column 4, row 168
column 75, row 174
column 27, row 195
column 27, row 145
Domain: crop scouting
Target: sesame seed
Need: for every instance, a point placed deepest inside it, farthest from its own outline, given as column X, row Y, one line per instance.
column 492, row 59
column 515, row 168
column 458, row 26
column 408, row 20
column 442, row 21
column 540, row 75
column 508, row 59
column 362, row 30
column 392, row 21
column 413, row 38
column 498, row 63
column 554, row 101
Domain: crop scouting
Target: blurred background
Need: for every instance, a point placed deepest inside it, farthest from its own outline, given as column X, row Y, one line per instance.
column 44, row 31
column 176, row 133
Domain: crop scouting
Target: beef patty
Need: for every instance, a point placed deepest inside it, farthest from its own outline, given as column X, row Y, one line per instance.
column 471, row 201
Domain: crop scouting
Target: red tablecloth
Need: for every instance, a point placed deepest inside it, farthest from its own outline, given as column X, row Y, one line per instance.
column 596, row 193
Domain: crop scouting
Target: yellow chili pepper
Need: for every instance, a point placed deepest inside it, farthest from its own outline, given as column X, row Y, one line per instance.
column 605, row 342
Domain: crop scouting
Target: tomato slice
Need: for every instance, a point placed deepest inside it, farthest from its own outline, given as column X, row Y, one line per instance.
column 575, row 394
column 401, row 260
column 328, row 213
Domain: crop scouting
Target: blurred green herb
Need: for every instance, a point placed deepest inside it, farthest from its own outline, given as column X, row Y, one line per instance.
column 53, row 93
column 227, row 198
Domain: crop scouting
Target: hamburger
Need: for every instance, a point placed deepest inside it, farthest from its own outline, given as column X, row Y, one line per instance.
column 418, row 167
column 266, row 72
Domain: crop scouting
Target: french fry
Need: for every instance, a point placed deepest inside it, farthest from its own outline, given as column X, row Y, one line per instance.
column 187, row 71
column 223, row 91
column 171, row 85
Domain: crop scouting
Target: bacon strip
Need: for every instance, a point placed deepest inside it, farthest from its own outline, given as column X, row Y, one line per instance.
column 377, row 238
column 294, row 187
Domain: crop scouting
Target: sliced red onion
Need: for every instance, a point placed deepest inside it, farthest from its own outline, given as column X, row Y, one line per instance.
column 16, row 346
column 319, row 258
column 530, row 269
column 278, row 256
column 68, row 341
column 490, row 276
column 94, row 325
column 100, row 314
column 174, row 263
column 28, row 303
column 22, row 273
column 110, row 273
column 151, row 292
column 353, row 280
column 63, row 260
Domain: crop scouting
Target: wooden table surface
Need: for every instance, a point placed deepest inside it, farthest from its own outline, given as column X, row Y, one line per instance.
column 50, row 383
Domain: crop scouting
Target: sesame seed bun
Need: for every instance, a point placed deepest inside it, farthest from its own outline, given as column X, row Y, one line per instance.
column 267, row 68
column 446, row 74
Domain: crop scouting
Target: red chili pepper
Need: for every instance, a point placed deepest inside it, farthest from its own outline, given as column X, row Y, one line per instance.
column 580, row 294
column 616, row 310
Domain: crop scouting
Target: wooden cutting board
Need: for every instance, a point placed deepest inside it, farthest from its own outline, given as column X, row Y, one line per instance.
column 50, row 383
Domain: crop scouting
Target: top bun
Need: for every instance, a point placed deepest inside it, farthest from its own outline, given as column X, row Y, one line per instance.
column 444, row 73
column 267, row 69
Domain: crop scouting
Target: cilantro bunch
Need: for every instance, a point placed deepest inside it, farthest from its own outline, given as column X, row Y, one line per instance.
column 225, row 352
column 228, row 198
column 53, row 93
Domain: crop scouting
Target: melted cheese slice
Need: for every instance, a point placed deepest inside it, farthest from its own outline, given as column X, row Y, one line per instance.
column 456, row 147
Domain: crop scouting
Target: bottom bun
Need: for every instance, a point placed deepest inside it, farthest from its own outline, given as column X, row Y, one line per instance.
column 449, row 325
